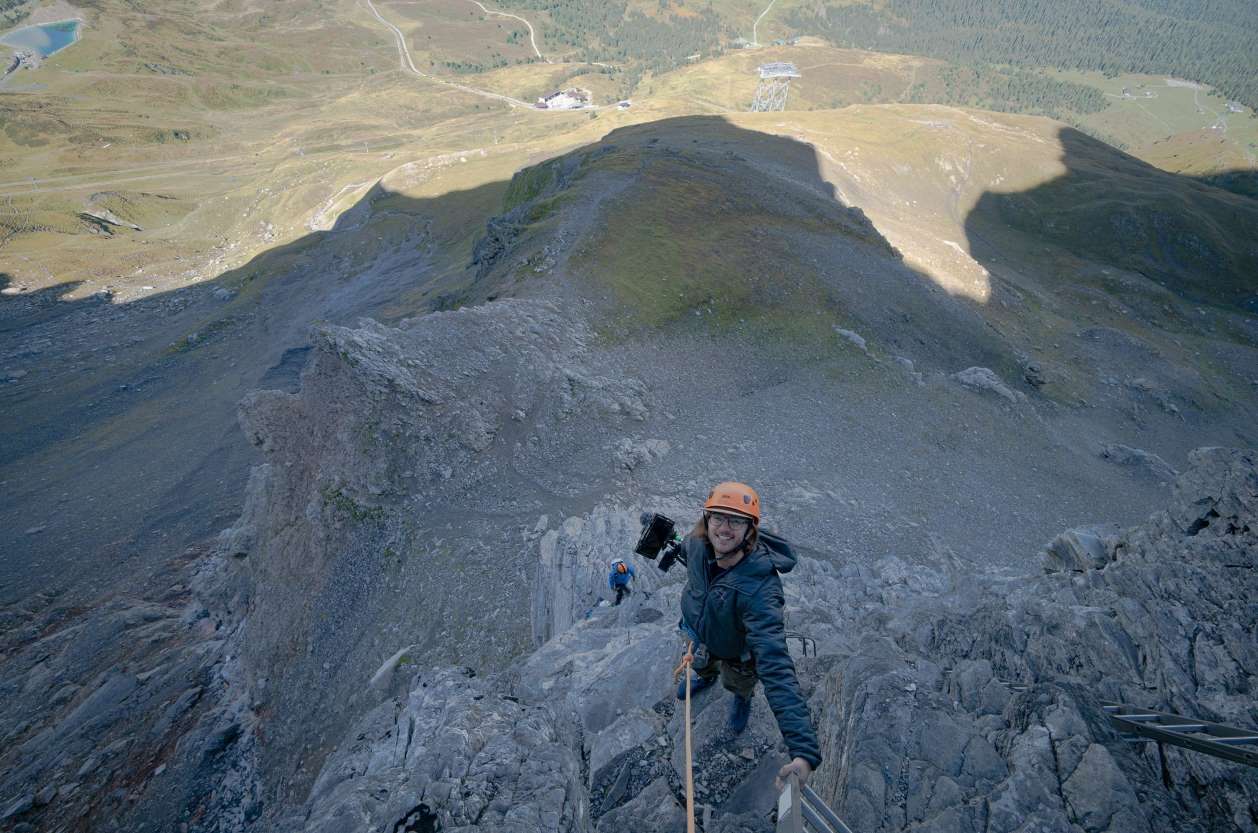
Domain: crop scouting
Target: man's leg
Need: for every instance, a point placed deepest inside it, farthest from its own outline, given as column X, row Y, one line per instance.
column 739, row 677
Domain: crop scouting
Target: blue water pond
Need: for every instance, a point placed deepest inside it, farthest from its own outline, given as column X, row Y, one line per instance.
column 46, row 39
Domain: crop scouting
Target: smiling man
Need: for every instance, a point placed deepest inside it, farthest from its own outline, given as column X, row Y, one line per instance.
column 732, row 606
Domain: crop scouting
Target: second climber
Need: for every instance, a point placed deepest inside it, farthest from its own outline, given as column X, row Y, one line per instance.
column 620, row 579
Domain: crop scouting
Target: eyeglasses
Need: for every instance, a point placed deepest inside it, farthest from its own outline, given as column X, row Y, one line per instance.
column 732, row 521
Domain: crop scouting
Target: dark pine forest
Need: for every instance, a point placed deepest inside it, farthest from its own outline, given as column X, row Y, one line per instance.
column 1210, row 41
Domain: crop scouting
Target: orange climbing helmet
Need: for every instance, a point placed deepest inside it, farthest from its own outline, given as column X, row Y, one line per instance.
column 737, row 498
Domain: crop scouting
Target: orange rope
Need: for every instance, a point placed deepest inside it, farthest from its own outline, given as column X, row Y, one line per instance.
column 684, row 668
column 686, row 659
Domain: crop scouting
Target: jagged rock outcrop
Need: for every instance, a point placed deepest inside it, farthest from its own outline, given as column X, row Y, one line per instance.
column 163, row 730
column 1167, row 622
column 1138, row 458
column 457, row 753
column 943, row 702
column 393, row 491
column 1082, row 549
column 573, row 564
column 985, row 379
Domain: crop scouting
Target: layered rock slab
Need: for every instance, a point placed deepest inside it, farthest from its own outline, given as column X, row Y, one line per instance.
column 943, row 702
column 395, row 489
column 459, row 753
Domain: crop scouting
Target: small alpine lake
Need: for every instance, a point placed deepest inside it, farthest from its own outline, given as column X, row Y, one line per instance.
column 46, row 39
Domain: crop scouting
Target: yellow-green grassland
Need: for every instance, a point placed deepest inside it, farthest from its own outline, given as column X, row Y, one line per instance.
column 169, row 146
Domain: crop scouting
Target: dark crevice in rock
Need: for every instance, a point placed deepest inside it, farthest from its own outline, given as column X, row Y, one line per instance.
column 1167, row 781
column 421, row 819
column 1061, row 782
column 1202, row 522
column 410, row 735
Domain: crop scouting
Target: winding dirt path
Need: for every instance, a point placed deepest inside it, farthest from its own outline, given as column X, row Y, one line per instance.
column 71, row 182
column 404, row 56
column 532, row 39
column 754, row 39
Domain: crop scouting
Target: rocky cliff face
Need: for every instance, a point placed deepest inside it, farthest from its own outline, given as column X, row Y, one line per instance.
column 949, row 694
column 407, row 504
column 402, row 631
column 998, row 695
column 389, row 509
column 944, row 701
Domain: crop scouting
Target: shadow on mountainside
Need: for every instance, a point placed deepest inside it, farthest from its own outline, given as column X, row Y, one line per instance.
column 120, row 449
column 120, row 442
column 1243, row 181
column 1184, row 233
column 121, row 446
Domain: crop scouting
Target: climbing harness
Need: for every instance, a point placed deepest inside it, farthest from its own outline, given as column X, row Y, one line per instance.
column 687, row 659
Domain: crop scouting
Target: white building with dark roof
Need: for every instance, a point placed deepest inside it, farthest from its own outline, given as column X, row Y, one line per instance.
column 573, row 98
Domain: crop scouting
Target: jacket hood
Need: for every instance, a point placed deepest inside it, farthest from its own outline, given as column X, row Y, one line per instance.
column 772, row 553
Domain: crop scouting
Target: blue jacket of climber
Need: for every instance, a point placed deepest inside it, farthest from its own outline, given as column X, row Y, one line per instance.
column 620, row 579
column 733, row 607
column 621, row 574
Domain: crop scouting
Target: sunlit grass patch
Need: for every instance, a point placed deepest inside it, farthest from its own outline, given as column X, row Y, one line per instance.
column 681, row 247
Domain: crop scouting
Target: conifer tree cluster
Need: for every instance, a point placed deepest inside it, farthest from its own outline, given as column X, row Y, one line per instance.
column 13, row 12
column 1209, row 41
column 609, row 31
column 1009, row 90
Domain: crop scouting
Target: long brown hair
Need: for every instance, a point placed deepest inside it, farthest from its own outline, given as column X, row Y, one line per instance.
column 701, row 532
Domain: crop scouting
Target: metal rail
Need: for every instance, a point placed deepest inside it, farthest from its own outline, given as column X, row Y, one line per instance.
column 805, row 641
column 801, row 809
column 1227, row 742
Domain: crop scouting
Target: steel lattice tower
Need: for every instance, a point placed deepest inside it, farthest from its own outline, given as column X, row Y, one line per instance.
column 775, row 83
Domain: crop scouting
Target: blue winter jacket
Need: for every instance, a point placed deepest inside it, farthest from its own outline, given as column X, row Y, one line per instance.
column 740, row 611
column 617, row 579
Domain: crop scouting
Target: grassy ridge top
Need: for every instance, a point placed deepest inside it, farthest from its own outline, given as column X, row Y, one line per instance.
column 729, row 218
column 688, row 239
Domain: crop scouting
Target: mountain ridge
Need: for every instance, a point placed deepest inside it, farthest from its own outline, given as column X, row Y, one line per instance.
column 893, row 406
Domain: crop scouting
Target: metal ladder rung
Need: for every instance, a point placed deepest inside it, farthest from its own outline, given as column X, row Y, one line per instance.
column 1137, row 725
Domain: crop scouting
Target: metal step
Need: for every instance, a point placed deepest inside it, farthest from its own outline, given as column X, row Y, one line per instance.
column 1227, row 742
